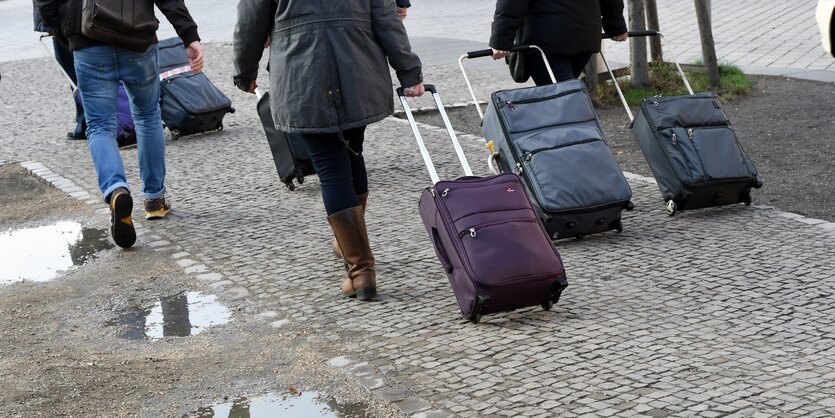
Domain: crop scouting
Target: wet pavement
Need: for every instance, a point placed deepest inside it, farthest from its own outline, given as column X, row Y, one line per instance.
column 300, row 405
column 180, row 315
column 43, row 253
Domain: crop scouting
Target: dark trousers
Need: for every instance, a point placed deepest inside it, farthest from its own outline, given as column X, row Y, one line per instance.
column 65, row 59
column 565, row 67
column 340, row 166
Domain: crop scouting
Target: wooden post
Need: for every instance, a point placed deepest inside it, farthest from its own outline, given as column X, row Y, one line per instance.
column 638, row 46
column 708, row 48
column 653, row 23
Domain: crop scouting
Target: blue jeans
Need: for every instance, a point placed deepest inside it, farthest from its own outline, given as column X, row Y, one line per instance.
column 99, row 69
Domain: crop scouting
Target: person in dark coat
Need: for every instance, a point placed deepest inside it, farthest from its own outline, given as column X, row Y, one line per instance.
column 64, row 57
column 569, row 31
column 99, row 67
column 329, row 79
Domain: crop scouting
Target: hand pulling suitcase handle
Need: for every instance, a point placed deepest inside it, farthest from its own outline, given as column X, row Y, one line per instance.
column 423, row 152
column 258, row 93
column 639, row 33
column 489, row 52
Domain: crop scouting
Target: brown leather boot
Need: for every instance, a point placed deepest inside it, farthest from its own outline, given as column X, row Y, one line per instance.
column 349, row 229
column 363, row 198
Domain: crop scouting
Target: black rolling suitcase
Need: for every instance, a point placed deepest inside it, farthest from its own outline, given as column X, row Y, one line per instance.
column 692, row 150
column 551, row 137
column 189, row 102
column 288, row 150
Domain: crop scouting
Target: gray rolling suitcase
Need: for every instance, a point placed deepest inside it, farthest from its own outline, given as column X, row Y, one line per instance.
column 551, row 137
column 692, row 149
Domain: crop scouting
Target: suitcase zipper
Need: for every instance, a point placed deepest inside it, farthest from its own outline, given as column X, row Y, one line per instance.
column 473, row 231
column 530, row 155
column 512, row 104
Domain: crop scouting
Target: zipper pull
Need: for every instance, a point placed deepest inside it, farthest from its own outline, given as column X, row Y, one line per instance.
column 432, row 190
column 519, row 169
column 529, row 157
column 511, row 105
column 675, row 139
column 656, row 104
column 690, row 133
column 444, row 193
column 472, row 232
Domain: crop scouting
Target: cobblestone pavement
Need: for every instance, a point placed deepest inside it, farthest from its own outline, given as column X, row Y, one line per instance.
column 716, row 312
column 713, row 312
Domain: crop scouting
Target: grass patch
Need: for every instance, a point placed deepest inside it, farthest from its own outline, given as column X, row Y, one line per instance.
column 667, row 82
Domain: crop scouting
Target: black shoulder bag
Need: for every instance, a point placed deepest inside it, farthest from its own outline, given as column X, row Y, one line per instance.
column 516, row 61
column 128, row 24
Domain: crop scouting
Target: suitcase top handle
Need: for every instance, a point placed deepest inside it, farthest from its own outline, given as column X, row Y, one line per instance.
column 488, row 53
column 423, row 152
column 635, row 34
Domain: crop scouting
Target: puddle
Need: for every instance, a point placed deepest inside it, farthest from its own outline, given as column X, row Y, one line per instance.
column 306, row 404
column 181, row 315
column 41, row 254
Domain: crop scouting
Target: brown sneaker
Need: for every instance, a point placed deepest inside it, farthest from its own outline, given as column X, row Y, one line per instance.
column 156, row 208
column 121, row 225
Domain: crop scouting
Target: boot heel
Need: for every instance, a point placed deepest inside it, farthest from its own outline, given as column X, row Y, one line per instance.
column 367, row 294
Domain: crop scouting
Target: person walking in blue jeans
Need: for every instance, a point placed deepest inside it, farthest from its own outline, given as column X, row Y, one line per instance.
column 99, row 67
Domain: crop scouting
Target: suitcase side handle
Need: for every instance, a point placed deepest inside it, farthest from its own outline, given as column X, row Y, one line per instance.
column 489, row 52
column 421, row 145
column 640, row 33
column 441, row 252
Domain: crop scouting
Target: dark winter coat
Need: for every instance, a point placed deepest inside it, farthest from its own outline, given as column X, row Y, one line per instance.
column 40, row 25
column 559, row 27
column 328, row 60
column 65, row 17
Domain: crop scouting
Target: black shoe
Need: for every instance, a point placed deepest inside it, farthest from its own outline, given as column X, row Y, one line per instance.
column 126, row 141
column 76, row 136
column 121, row 225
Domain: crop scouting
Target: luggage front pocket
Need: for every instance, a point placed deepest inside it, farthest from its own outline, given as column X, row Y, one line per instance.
column 508, row 250
column 720, row 153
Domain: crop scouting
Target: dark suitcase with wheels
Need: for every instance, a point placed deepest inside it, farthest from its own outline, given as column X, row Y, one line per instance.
column 490, row 242
column 693, row 152
column 189, row 102
column 288, row 150
column 691, row 148
column 551, row 137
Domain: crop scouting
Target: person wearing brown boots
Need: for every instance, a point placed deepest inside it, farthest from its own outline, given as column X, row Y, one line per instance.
column 328, row 81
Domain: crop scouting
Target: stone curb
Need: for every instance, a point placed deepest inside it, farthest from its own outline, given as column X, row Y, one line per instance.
column 397, row 395
column 189, row 263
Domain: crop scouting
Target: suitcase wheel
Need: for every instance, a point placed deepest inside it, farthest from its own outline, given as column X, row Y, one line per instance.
column 289, row 184
column 300, row 175
column 618, row 226
column 176, row 134
column 547, row 305
column 671, row 207
column 220, row 126
column 475, row 317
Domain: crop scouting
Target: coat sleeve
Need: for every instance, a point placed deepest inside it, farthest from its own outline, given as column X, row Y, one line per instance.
column 613, row 21
column 404, row 3
column 391, row 34
column 255, row 21
column 179, row 17
column 506, row 20
column 49, row 12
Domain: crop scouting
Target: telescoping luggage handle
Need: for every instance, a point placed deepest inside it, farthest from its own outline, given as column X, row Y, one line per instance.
column 635, row 34
column 488, row 53
column 423, row 152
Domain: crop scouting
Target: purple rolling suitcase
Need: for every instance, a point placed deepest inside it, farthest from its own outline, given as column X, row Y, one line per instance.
column 492, row 245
